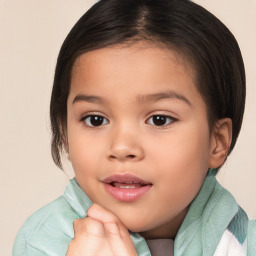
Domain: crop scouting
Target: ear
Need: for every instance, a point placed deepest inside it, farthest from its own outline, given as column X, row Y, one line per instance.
column 221, row 138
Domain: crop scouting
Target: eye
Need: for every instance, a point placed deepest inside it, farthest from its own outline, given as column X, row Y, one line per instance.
column 160, row 120
column 95, row 120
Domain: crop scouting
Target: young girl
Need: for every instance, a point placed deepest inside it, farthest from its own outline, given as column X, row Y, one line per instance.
column 147, row 101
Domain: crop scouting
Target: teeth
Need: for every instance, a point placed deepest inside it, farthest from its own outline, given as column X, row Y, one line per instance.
column 126, row 185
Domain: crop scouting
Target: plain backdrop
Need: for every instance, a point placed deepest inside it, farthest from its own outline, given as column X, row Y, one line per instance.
column 31, row 33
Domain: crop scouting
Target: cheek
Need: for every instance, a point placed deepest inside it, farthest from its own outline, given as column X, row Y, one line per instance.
column 182, row 161
column 184, row 147
column 82, row 155
column 82, row 144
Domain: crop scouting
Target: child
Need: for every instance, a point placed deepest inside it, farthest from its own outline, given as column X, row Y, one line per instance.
column 147, row 101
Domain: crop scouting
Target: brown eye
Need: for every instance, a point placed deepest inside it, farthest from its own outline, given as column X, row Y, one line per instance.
column 95, row 121
column 160, row 120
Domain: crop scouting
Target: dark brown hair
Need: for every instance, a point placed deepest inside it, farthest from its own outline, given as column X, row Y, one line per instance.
column 180, row 24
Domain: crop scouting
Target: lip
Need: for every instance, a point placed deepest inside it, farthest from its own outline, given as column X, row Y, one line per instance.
column 126, row 187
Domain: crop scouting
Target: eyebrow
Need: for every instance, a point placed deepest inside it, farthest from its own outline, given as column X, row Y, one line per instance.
column 88, row 98
column 148, row 98
column 141, row 99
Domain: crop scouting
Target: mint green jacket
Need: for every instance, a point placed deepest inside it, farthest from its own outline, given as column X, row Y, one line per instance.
column 214, row 226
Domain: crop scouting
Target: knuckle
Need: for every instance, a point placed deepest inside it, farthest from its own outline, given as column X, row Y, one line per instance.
column 98, row 212
column 112, row 229
column 77, row 223
column 95, row 228
column 94, row 209
column 88, row 227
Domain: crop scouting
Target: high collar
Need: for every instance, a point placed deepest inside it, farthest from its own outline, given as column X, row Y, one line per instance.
column 208, row 217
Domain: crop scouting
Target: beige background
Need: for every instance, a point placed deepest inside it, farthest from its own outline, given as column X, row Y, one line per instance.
column 31, row 33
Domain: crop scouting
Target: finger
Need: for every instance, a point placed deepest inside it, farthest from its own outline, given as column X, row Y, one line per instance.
column 89, row 239
column 101, row 214
column 116, row 233
column 121, row 245
column 88, row 246
column 88, row 226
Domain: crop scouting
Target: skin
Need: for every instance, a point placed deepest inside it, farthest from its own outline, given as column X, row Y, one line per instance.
column 174, row 157
column 100, row 234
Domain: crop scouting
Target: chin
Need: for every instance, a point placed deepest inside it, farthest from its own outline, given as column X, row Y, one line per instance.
column 137, row 226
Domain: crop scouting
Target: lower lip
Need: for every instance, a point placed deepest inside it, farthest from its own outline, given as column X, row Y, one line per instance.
column 127, row 194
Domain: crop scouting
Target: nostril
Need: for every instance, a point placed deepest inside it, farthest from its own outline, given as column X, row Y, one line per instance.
column 122, row 157
column 130, row 156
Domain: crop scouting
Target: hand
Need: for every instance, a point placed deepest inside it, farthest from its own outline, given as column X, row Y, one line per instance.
column 101, row 233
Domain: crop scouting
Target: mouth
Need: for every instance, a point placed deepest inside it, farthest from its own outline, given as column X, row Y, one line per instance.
column 126, row 187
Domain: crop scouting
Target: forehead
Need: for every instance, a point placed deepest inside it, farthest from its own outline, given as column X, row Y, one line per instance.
column 145, row 55
column 136, row 69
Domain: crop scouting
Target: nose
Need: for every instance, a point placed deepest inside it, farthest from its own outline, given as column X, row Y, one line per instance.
column 125, row 146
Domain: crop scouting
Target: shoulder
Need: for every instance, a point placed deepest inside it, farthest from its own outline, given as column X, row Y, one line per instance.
column 50, row 229
column 51, row 225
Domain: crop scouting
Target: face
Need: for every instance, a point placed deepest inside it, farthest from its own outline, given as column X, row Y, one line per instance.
column 138, row 135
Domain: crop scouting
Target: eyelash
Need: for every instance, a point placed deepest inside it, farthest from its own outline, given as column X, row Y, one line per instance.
column 163, row 120
column 160, row 119
column 99, row 118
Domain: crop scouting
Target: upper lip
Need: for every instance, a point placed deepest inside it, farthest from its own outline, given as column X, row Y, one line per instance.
column 125, row 178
